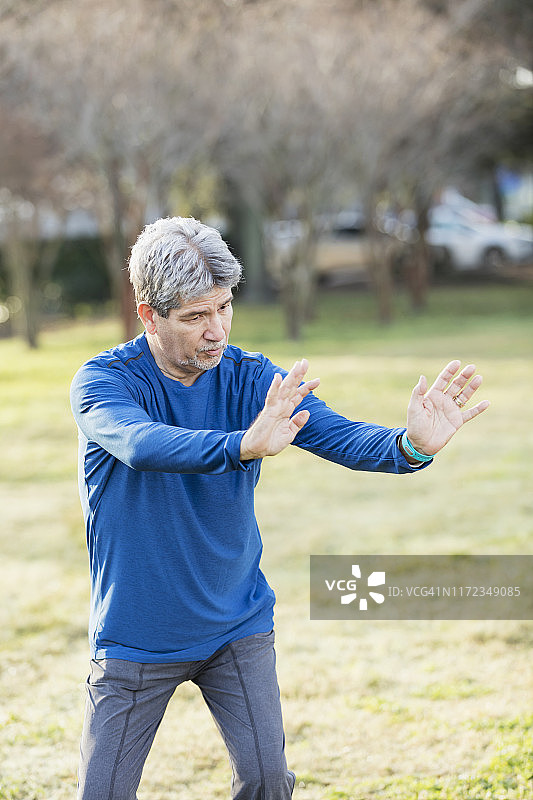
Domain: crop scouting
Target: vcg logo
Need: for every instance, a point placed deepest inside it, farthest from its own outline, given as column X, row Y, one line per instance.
column 349, row 590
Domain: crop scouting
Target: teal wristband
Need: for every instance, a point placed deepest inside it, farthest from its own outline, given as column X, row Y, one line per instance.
column 408, row 447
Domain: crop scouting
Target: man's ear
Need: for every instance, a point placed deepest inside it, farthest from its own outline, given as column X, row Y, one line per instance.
column 148, row 317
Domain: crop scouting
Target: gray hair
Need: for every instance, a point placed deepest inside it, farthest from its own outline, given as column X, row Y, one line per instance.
column 177, row 259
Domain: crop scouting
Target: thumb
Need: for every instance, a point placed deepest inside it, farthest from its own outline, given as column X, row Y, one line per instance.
column 417, row 395
column 421, row 387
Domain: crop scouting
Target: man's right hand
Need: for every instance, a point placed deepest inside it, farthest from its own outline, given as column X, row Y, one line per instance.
column 275, row 427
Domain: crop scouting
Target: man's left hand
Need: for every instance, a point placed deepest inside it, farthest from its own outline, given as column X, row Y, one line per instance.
column 434, row 416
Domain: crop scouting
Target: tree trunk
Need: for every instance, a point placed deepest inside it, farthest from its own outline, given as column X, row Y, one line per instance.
column 26, row 323
column 21, row 255
column 246, row 237
column 381, row 277
column 417, row 266
column 497, row 196
column 119, row 247
column 380, row 263
column 298, row 284
column 122, row 288
column 308, row 267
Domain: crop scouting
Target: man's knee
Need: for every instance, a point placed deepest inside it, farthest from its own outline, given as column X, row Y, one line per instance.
column 101, row 780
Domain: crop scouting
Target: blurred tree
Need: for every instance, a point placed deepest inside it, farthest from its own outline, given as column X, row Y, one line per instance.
column 482, row 117
column 382, row 94
column 121, row 100
column 431, row 107
column 288, row 102
column 279, row 147
column 27, row 158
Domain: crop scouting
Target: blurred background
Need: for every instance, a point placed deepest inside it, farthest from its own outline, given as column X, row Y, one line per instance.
column 370, row 143
column 371, row 163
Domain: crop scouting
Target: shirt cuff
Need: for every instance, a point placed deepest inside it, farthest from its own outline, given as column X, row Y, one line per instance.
column 233, row 451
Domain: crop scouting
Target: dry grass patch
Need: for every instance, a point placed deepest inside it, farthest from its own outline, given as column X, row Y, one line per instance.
column 382, row 711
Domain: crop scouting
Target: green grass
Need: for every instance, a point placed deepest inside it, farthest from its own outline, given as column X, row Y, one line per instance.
column 457, row 319
column 427, row 710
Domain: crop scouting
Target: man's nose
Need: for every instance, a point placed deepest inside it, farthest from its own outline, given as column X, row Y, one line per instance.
column 215, row 330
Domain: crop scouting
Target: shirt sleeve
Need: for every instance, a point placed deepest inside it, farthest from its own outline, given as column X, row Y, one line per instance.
column 106, row 412
column 356, row 445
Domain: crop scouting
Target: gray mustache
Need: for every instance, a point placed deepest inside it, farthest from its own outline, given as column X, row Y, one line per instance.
column 213, row 346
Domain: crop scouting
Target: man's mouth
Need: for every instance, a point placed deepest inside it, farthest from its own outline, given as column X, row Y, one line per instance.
column 216, row 350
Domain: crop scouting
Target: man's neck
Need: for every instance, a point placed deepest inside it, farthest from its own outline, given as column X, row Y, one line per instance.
column 177, row 372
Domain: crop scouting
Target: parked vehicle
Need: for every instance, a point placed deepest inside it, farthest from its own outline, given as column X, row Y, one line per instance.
column 342, row 251
column 462, row 236
column 464, row 242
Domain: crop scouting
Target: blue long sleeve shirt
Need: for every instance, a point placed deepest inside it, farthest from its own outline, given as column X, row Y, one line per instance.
column 173, row 542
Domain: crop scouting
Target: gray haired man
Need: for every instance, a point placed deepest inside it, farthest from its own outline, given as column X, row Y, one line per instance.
column 173, row 428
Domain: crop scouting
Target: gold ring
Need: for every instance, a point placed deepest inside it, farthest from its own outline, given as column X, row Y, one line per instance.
column 459, row 402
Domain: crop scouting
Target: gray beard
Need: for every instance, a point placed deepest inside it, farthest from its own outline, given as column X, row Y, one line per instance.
column 202, row 364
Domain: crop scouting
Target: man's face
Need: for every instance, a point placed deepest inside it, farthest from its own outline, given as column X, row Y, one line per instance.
column 193, row 337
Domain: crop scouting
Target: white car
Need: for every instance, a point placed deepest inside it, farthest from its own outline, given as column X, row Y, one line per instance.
column 464, row 243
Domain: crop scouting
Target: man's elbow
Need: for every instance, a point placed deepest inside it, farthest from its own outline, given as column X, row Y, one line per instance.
column 137, row 457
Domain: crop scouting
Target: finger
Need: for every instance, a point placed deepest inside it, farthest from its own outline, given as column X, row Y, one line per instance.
column 300, row 419
column 470, row 413
column 461, row 380
column 273, row 389
column 305, row 388
column 294, row 377
column 299, row 368
column 291, row 380
column 464, row 394
column 444, row 377
column 295, row 390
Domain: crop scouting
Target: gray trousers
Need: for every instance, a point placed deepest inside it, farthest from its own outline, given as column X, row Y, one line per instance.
column 126, row 701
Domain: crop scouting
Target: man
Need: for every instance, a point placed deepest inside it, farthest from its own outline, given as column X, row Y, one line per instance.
column 173, row 426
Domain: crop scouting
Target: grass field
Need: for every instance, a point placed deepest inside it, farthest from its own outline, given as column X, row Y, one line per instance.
column 373, row 711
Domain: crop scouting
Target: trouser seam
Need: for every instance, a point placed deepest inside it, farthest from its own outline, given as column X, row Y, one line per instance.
column 123, row 738
column 252, row 721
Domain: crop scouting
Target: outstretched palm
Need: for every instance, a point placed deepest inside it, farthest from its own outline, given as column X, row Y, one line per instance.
column 434, row 416
column 276, row 427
